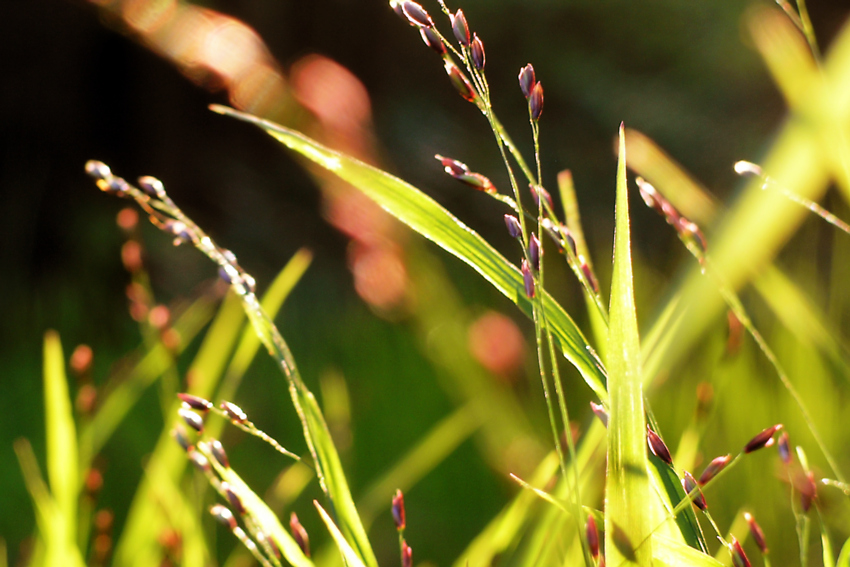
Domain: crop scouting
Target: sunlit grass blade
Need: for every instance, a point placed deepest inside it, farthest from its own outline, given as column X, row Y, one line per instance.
column 60, row 549
column 671, row 553
column 627, row 492
column 62, row 465
column 429, row 219
column 351, row 558
column 844, row 557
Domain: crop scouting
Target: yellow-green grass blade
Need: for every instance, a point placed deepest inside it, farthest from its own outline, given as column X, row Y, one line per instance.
column 672, row 553
column 59, row 548
column 62, row 465
column 844, row 557
column 429, row 219
column 629, row 500
column 351, row 558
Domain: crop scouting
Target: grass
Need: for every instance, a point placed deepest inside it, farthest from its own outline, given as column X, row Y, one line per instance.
column 628, row 361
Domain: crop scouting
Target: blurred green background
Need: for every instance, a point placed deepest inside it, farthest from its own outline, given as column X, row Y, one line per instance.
column 77, row 84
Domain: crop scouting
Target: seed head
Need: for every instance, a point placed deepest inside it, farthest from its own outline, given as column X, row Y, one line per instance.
column 537, row 192
column 431, row 40
column 592, row 535
column 460, row 82
column 97, row 169
column 217, row 451
column 784, row 448
column 461, row 172
column 233, row 498
column 514, row 228
column 152, row 186
column 192, row 419
column 478, row 57
column 714, row 467
column 460, row 29
column 690, row 484
column 657, row 446
column 755, row 531
column 406, row 555
column 416, row 14
column 299, row 534
column 535, row 251
column 398, row 511
column 739, row 558
column 535, row 102
column 223, row 515
column 195, row 402
column 763, row 439
column 600, row 412
column 233, row 412
column 527, row 279
column 527, row 80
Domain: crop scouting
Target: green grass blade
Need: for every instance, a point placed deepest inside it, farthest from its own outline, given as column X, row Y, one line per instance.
column 62, row 465
column 844, row 556
column 666, row 551
column 628, row 496
column 351, row 558
column 429, row 219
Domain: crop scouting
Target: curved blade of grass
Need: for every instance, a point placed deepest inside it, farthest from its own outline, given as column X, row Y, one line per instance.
column 844, row 556
column 627, row 492
column 670, row 552
column 429, row 219
column 351, row 558
column 61, row 434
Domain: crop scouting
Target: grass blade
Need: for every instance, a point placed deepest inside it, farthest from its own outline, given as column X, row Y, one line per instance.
column 628, row 495
column 62, row 465
column 425, row 216
column 351, row 558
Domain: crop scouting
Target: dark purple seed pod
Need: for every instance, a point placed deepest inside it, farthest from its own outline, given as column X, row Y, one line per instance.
column 478, row 57
column 649, row 195
column 535, row 102
column 432, row 40
column 460, row 82
column 657, row 446
column 199, row 461
column 192, row 419
column 152, row 186
column 398, row 511
column 527, row 80
column 114, row 185
column 453, row 167
column 690, row 484
column 406, row 555
column 537, row 192
column 592, row 535
column 417, row 14
column 233, row 498
column 460, row 28
column 763, row 439
column 535, row 251
column 218, row 453
column 233, row 412
column 714, row 467
column 739, row 558
column 755, row 531
column 784, row 448
column 527, row 279
column 225, row 277
column 223, row 515
column 514, row 228
column 195, row 402
column 599, row 411
column 179, row 435
column 299, row 534
column 98, row 169
column 571, row 242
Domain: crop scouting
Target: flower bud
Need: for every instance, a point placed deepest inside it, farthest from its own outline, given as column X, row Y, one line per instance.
column 535, row 102
column 432, row 40
column 690, row 485
column 527, row 80
column 195, row 402
column 714, row 467
column 460, row 29
column 592, row 535
column 299, row 534
column 233, row 412
column 398, row 511
column 527, row 279
column 755, row 531
column 478, row 57
column 417, row 14
column 763, row 439
column 192, row 419
column 514, row 228
column 657, row 446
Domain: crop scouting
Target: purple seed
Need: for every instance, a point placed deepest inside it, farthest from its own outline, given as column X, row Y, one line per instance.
column 763, row 439
column 514, row 228
column 223, row 515
column 217, row 451
column 453, row 167
column 784, row 448
column 690, row 484
column 192, row 419
column 535, row 251
column 739, row 558
column 657, row 446
column 406, row 555
column 152, row 186
column 201, row 463
column 195, row 402
column 478, row 57
column 460, row 29
column 592, row 535
column 599, row 411
column 179, row 435
column 460, row 82
column 233, row 498
column 233, row 412
column 417, row 14
column 527, row 80
column 431, row 40
column 756, row 532
column 98, row 169
column 714, row 467
column 299, row 534
column 527, row 279
column 398, row 511
column 535, row 102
